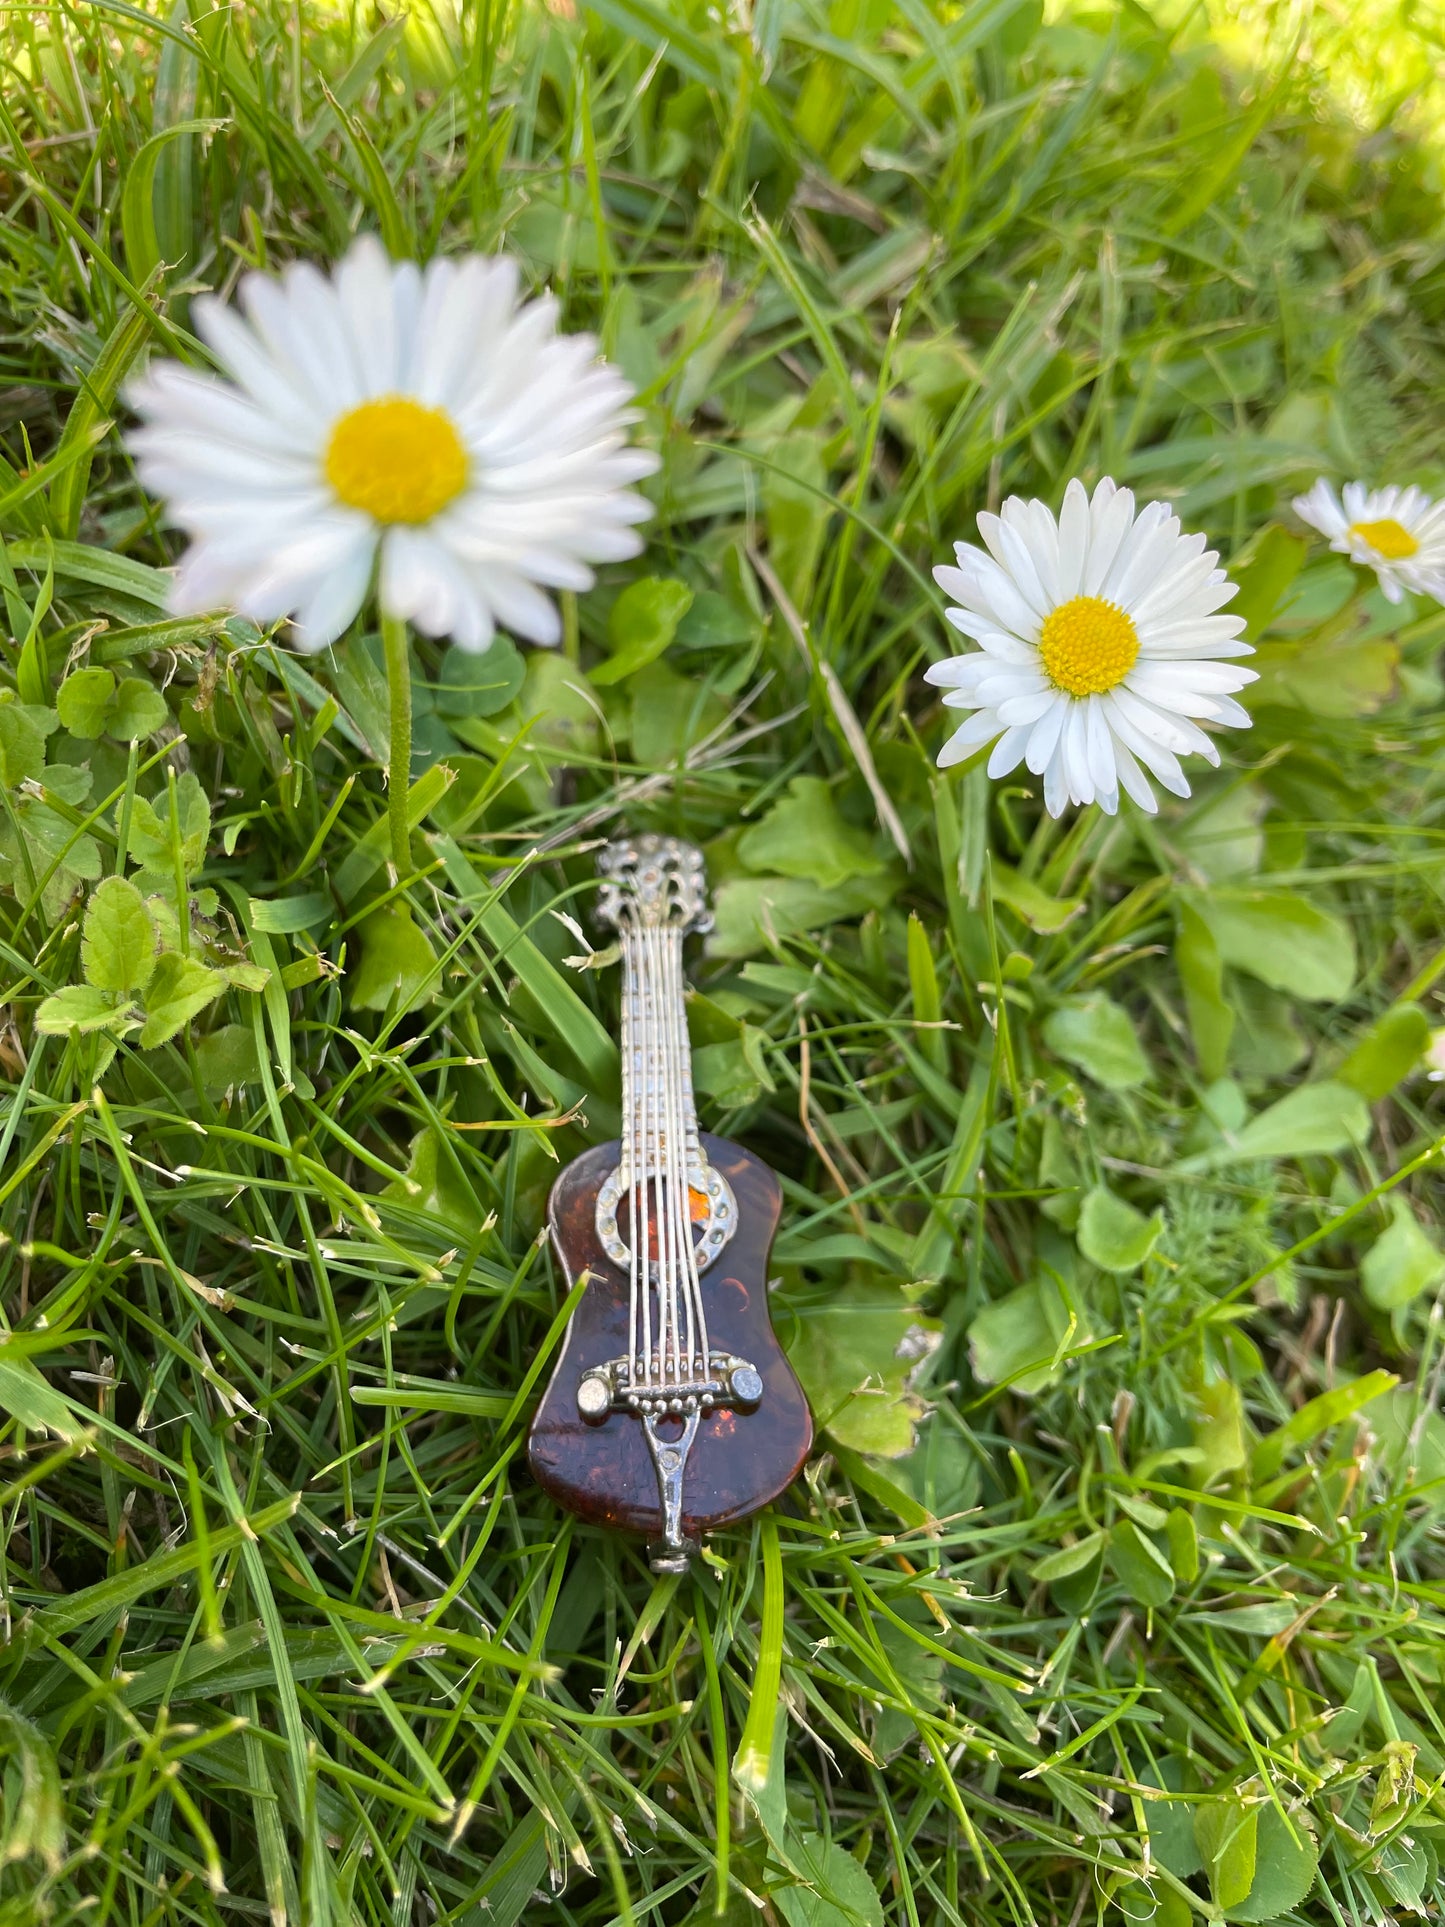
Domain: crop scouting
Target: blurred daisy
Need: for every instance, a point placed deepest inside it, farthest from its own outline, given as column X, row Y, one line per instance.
column 1099, row 646
column 425, row 415
column 1397, row 532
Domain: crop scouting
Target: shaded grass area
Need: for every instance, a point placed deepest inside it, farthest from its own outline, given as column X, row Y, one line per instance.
column 1110, row 1257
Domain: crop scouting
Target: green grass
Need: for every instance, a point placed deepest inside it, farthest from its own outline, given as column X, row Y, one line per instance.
column 1128, row 1601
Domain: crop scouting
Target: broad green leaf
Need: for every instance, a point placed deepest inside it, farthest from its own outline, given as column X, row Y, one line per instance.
column 1285, row 1863
column 23, row 730
column 1315, row 1120
column 153, row 838
column 1201, row 972
column 480, row 684
column 804, row 836
column 1387, row 1052
column 1023, row 896
column 139, row 711
column 642, row 624
column 79, row 1007
column 838, row 1891
column 1409, row 1446
column 118, row 951
column 1265, row 576
column 669, row 713
column 179, row 989
column 227, row 1059
column 433, row 1185
column 1341, row 676
column 1283, row 939
column 1183, row 1538
column 1402, row 1264
column 796, row 507
column 397, row 964
column 556, row 699
column 1018, row 1338
column 1315, row 1416
column 1142, row 1570
column 1219, row 1429
column 856, row 1354
column 753, row 912
column 1112, row 1234
column 36, row 1814
column 1097, row 1035
column 83, row 702
column 1227, row 1832
column 1069, row 1559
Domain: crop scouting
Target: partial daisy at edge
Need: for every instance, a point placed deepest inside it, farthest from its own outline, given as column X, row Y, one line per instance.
column 1100, row 650
column 1397, row 532
column 426, row 427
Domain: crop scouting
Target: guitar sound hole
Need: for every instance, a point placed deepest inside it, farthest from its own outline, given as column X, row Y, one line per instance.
column 699, row 1211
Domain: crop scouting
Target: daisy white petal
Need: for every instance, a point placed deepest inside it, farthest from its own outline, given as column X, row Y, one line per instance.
column 426, row 411
column 1099, row 651
column 1397, row 532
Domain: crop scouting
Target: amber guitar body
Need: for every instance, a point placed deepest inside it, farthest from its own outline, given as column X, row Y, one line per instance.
column 740, row 1459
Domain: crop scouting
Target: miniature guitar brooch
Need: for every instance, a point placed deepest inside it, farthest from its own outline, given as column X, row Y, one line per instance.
column 672, row 1408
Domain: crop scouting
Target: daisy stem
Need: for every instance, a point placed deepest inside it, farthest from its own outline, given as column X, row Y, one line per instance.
column 397, row 650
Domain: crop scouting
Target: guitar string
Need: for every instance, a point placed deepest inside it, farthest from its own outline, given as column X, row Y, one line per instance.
column 656, row 1145
column 662, row 946
column 680, row 1084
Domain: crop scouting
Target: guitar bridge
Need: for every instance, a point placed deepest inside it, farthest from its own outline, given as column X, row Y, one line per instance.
column 658, row 1396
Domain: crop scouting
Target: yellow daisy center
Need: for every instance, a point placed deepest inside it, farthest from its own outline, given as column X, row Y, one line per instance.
column 1088, row 645
column 396, row 459
column 1388, row 539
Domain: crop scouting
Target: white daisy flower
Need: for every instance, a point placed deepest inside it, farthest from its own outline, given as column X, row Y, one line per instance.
column 422, row 413
column 1397, row 532
column 1098, row 646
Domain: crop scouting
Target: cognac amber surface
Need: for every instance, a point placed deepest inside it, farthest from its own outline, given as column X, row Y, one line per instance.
column 740, row 1460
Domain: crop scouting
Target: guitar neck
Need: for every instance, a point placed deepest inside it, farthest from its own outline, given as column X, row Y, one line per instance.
column 658, row 1105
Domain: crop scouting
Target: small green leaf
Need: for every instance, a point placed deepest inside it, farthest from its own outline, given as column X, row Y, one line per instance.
column 119, row 945
column 1097, row 1035
column 479, row 684
column 856, row 1353
column 1402, row 1263
column 1387, row 1052
column 1018, row 1338
column 153, row 838
column 1265, row 577
column 1038, row 909
column 180, row 987
column 1183, row 1537
column 642, row 624
column 1227, row 1832
column 753, row 913
column 227, row 1059
column 397, row 965
column 1113, row 1235
column 1201, row 972
column 804, row 836
column 23, row 730
column 1282, row 939
column 139, row 711
column 1315, row 1120
column 1284, row 1867
column 1068, row 1560
column 837, row 1893
column 1143, row 1571
column 79, row 1007
column 84, row 702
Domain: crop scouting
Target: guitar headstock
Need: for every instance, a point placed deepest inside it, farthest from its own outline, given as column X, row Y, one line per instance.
column 655, row 882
